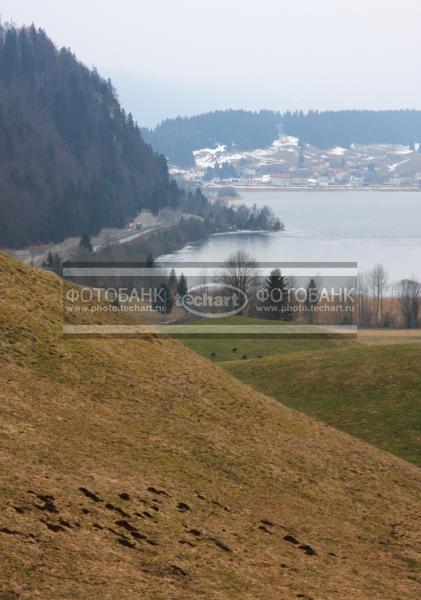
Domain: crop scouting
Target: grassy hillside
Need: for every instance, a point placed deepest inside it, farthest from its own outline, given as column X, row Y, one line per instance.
column 136, row 469
column 228, row 349
column 372, row 392
column 235, row 346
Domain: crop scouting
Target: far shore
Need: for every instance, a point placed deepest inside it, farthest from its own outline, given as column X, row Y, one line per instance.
column 275, row 188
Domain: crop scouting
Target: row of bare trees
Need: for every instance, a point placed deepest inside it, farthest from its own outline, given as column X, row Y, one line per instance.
column 383, row 303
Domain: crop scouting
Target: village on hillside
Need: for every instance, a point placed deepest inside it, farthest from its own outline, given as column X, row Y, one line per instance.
column 288, row 163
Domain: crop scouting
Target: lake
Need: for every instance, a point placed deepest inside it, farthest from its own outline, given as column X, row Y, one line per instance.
column 366, row 227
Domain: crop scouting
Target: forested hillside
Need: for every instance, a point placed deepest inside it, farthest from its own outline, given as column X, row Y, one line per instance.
column 346, row 127
column 71, row 160
column 244, row 130
column 241, row 129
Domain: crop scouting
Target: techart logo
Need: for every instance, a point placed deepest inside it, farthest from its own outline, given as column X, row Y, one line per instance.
column 214, row 301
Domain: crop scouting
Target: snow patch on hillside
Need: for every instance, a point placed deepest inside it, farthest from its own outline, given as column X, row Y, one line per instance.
column 396, row 165
column 338, row 151
column 404, row 150
column 209, row 157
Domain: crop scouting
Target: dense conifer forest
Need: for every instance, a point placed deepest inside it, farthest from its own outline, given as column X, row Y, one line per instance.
column 71, row 160
column 346, row 127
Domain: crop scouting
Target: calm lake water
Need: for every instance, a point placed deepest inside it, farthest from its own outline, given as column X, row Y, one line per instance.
column 365, row 227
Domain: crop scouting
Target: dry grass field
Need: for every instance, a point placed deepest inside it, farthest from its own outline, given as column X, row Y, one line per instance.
column 137, row 469
column 389, row 336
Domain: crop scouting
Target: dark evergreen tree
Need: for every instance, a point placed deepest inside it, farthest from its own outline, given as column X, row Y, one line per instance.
column 172, row 280
column 182, row 287
column 10, row 55
column 163, row 302
column 277, row 284
column 53, row 263
column 150, row 263
column 85, row 244
column 277, row 289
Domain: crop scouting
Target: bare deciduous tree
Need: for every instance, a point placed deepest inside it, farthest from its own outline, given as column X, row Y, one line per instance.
column 240, row 271
column 364, row 309
column 312, row 299
column 409, row 292
column 378, row 281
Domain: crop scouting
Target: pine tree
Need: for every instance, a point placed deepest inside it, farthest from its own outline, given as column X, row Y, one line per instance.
column 58, row 265
column 48, row 262
column 10, row 55
column 172, row 280
column 277, row 285
column 277, row 288
column 182, row 287
column 85, row 244
column 164, row 300
column 53, row 263
column 150, row 263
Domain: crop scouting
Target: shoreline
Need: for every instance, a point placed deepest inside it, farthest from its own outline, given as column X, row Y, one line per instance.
column 275, row 188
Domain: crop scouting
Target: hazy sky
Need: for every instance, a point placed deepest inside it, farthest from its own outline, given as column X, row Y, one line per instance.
column 171, row 56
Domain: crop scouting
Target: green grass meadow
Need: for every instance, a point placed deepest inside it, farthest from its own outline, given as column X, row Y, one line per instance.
column 371, row 391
